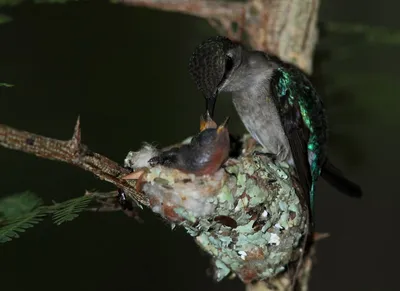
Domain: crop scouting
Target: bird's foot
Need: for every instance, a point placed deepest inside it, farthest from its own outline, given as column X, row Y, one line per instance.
column 166, row 158
column 272, row 157
column 123, row 201
column 154, row 161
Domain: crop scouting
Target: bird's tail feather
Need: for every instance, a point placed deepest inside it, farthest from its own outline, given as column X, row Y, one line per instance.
column 335, row 178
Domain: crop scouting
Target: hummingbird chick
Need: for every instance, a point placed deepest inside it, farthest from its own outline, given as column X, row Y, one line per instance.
column 183, row 177
column 204, row 155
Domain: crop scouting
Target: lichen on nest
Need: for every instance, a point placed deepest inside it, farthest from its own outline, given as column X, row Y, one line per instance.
column 247, row 215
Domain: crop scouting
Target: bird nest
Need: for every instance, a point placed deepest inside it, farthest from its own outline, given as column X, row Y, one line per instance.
column 246, row 215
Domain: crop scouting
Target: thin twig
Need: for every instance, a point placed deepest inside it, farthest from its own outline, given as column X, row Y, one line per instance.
column 71, row 151
column 109, row 202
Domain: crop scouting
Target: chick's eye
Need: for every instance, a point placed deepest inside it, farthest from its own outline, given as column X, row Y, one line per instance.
column 228, row 64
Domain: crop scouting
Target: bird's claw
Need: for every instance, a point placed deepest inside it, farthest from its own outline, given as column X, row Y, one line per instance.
column 154, row 161
column 270, row 156
column 165, row 159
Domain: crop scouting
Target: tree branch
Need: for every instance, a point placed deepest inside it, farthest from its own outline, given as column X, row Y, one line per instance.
column 286, row 28
column 71, row 151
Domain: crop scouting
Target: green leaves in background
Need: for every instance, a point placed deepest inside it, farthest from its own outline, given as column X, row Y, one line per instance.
column 4, row 18
column 372, row 34
column 55, row 1
column 21, row 211
column 6, row 84
column 13, row 227
column 10, row 2
column 15, row 2
column 19, row 204
column 70, row 209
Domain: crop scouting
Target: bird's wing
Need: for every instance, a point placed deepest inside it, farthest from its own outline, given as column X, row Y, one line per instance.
column 282, row 92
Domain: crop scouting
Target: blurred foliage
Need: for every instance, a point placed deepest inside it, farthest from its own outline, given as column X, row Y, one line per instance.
column 4, row 18
column 372, row 34
column 341, row 101
column 19, row 204
column 21, row 211
column 15, row 2
column 54, row 1
column 6, row 85
column 10, row 2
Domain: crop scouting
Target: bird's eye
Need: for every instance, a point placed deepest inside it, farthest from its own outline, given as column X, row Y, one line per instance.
column 228, row 64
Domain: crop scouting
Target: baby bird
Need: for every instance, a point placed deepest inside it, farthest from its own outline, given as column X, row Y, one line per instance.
column 204, row 155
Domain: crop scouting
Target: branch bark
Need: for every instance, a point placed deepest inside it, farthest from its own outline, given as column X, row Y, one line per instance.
column 286, row 28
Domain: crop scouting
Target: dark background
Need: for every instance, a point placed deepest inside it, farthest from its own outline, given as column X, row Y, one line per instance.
column 124, row 70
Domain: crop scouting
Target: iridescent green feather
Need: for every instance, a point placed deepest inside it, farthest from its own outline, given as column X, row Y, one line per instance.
column 295, row 86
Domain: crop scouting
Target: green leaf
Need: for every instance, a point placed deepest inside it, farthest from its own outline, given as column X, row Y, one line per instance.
column 372, row 34
column 10, row 2
column 4, row 18
column 21, row 211
column 6, row 84
column 54, row 1
column 70, row 209
column 20, row 224
column 19, row 204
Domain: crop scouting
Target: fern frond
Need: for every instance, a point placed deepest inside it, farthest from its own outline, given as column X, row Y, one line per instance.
column 13, row 227
column 70, row 209
column 18, row 204
column 21, row 211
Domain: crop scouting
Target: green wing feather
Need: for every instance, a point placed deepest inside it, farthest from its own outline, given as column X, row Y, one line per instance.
column 302, row 117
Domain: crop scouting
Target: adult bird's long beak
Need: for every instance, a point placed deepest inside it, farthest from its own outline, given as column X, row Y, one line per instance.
column 210, row 104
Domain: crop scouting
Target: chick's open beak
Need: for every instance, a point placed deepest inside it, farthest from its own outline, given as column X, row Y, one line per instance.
column 223, row 125
column 207, row 122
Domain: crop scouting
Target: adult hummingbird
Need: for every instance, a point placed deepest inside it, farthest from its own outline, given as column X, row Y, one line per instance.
column 277, row 104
